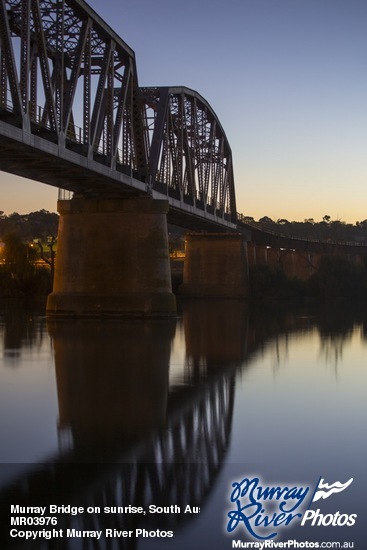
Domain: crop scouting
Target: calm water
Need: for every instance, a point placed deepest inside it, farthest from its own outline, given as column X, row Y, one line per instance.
column 111, row 413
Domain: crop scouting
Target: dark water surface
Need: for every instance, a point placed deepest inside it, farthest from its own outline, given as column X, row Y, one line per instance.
column 171, row 413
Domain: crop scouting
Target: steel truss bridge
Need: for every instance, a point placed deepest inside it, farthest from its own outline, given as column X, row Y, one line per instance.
column 72, row 115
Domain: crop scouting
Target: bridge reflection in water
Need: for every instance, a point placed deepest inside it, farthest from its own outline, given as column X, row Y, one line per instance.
column 139, row 427
column 127, row 435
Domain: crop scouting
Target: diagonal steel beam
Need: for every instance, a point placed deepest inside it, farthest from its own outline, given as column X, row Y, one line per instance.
column 25, row 53
column 75, row 72
column 98, row 101
column 122, row 96
column 50, row 106
column 160, row 125
column 6, row 46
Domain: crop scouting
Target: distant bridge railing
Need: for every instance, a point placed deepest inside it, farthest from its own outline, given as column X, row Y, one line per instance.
column 289, row 238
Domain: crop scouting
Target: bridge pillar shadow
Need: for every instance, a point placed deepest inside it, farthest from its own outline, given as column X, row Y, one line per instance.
column 112, row 259
column 112, row 379
column 216, row 333
column 215, row 266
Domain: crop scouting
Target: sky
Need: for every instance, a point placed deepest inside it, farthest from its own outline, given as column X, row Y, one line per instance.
column 287, row 80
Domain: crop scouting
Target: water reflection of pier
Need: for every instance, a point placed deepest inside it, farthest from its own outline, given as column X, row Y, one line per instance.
column 126, row 437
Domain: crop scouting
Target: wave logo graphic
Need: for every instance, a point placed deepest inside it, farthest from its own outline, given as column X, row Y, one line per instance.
column 324, row 490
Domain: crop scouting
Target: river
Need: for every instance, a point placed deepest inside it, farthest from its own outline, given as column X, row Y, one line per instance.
column 161, row 417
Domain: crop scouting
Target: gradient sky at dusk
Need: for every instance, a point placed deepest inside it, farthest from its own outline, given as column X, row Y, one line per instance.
column 288, row 81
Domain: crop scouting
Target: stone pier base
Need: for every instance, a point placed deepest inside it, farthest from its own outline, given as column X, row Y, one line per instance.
column 112, row 259
column 215, row 266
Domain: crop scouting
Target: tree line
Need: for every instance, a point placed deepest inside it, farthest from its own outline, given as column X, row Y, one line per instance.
column 28, row 245
column 27, row 252
column 35, row 225
column 324, row 230
column 42, row 224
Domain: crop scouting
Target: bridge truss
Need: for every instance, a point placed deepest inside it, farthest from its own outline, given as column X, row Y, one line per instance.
column 190, row 158
column 72, row 114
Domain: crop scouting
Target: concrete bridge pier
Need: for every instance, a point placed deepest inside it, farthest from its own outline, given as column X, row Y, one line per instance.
column 215, row 266
column 112, row 259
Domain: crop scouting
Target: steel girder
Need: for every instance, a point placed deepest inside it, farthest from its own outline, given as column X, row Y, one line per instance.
column 67, row 77
column 189, row 155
